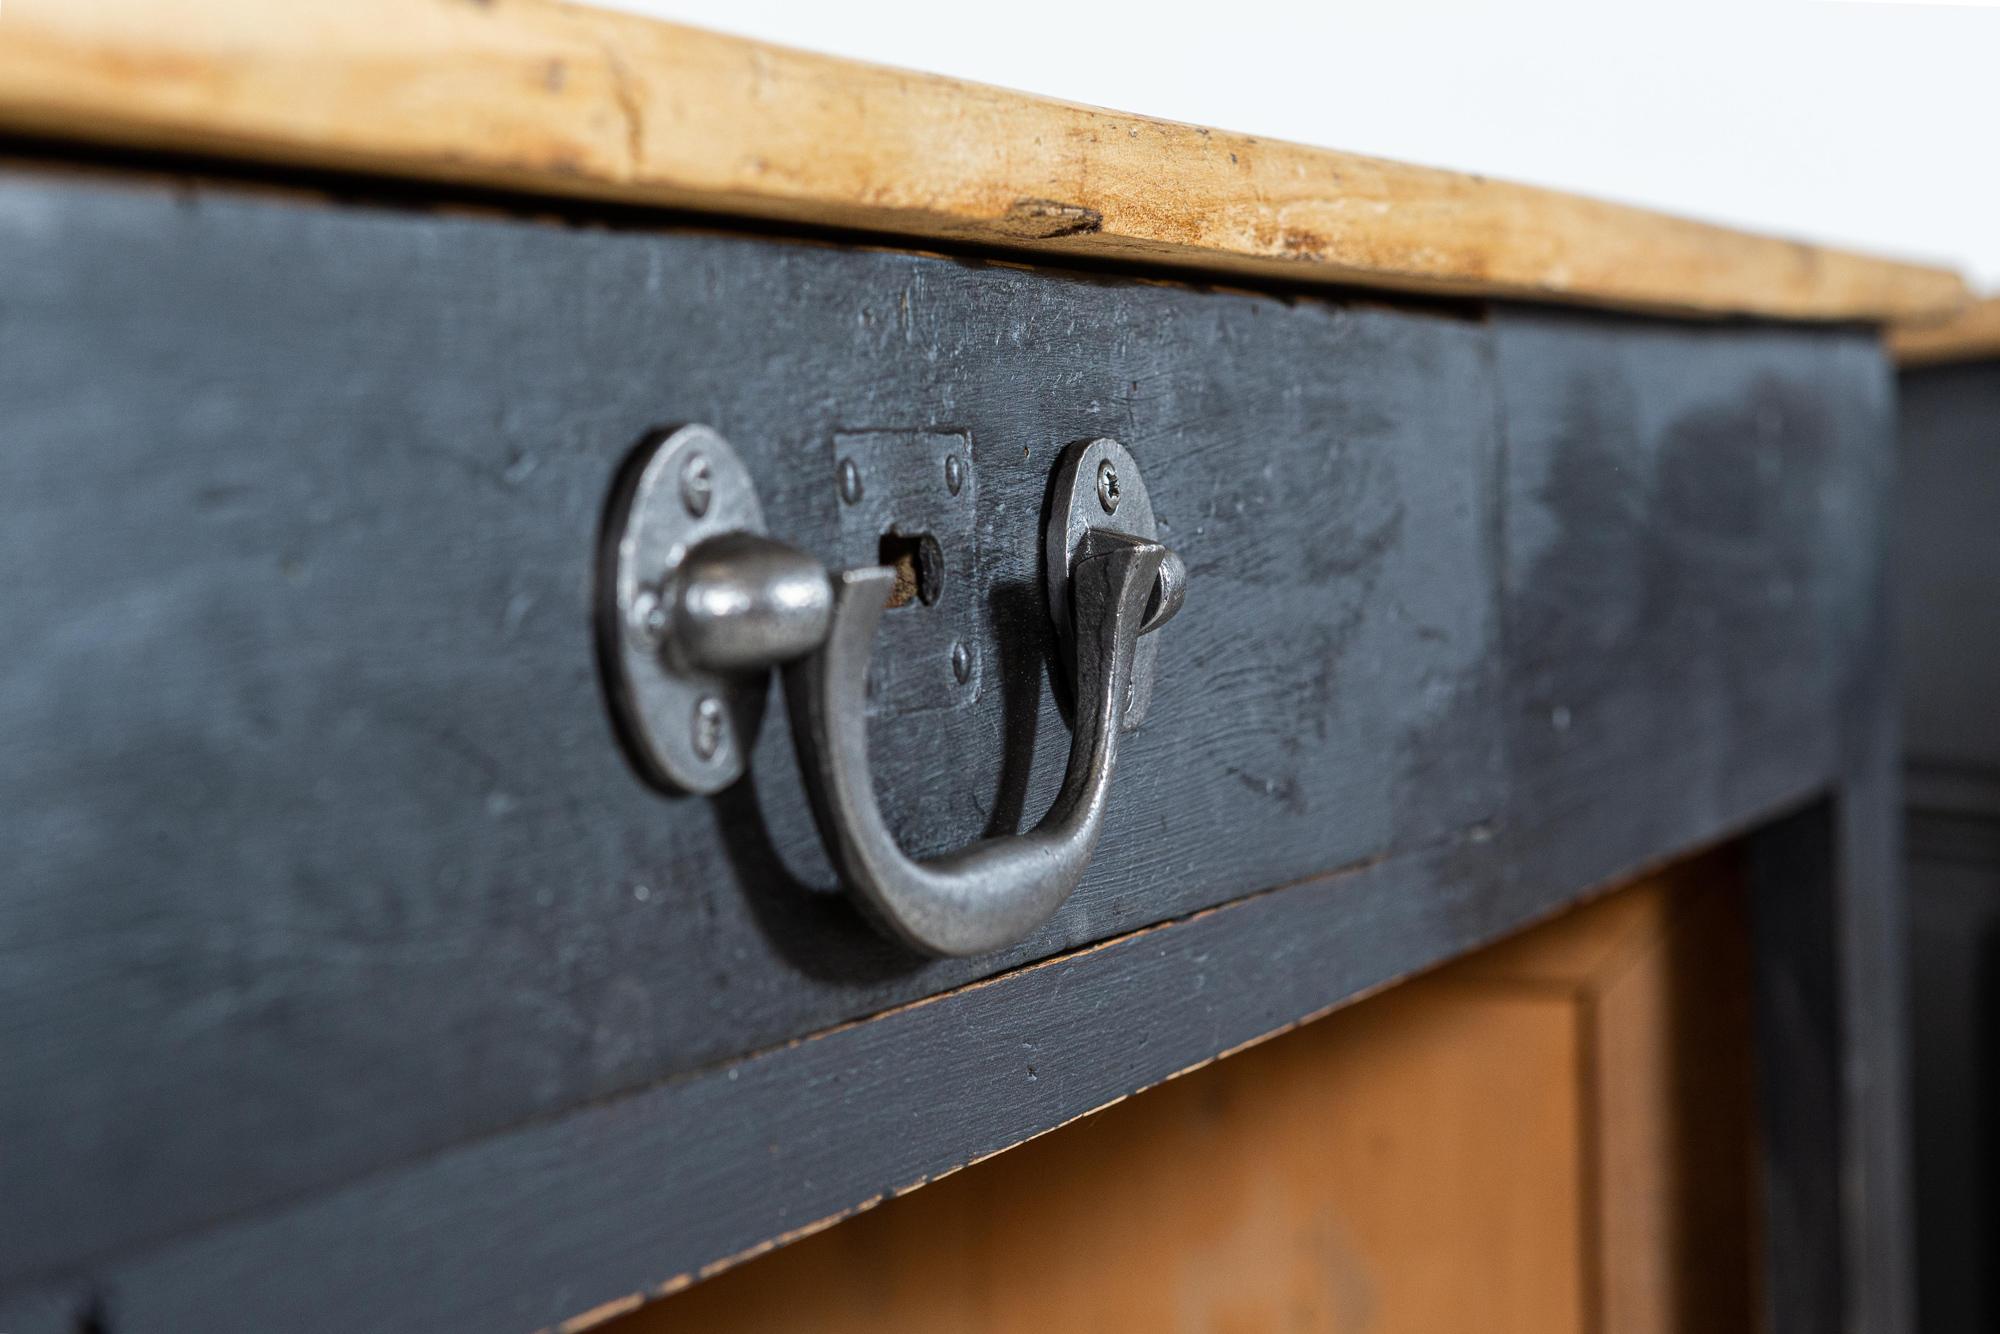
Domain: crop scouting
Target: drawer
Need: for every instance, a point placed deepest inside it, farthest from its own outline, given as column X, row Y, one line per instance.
column 344, row 921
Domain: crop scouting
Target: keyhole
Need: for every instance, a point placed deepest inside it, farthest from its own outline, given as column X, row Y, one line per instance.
column 918, row 561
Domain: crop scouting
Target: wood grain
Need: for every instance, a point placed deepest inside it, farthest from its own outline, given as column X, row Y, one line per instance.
column 539, row 97
column 1973, row 335
column 1561, row 1123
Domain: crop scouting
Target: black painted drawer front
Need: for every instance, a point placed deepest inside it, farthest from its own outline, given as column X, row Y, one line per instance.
column 320, row 851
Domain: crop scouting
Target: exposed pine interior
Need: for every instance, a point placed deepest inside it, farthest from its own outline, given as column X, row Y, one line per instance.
column 1973, row 336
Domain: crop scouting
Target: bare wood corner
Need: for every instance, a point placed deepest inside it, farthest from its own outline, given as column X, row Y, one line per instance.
column 1974, row 335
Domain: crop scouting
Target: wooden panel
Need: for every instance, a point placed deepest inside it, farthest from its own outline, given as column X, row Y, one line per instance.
column 1660, row 976
column 572, row 102
column 1679, row 1185
column 1973, row 335
column 1561, row 1125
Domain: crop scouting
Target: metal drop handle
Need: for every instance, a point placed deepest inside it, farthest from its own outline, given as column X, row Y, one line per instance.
column 698, row 605
column 997, row 890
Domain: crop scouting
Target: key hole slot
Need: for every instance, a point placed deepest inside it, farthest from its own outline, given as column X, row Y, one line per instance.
column 918, row 563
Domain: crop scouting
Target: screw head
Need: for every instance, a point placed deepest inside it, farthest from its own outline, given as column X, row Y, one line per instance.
column 649, row 615
column 1107, row 486
column 961, row 662
column 697, row 485
column 954, row 473
column 850, row 482
column 709, row 722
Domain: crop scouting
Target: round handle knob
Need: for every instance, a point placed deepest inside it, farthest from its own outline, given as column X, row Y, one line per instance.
column 742, row 602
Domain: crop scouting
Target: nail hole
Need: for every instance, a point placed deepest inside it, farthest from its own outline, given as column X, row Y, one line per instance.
column 918, row 561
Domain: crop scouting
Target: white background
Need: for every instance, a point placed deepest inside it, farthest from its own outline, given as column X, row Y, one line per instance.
column 1871, row 125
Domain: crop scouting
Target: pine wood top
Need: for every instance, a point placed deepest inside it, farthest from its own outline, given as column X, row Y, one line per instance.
column 545, row 98
column 1973, row 336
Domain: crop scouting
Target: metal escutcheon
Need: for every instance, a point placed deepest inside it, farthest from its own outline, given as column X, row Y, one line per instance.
column 699, row 605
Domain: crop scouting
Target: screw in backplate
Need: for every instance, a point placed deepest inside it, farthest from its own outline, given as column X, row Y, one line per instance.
column 850, row 482
column 649, row 615
column 954, row 473
column 708, row 724
column 1107, row 486
column 961, row 662
column 697, row 485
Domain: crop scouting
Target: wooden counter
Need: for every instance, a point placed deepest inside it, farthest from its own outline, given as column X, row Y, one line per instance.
column 559, row 100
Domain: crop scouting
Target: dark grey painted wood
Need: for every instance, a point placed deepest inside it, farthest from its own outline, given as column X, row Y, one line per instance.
column 326, row 861
column 1660, row 540
column 1949, row 430
column 1689, row 571
column 1870, row 1023
column 1955, row 1050
column 60, row 1310
column 324, row 855
column 528, row 1228
column 1794, row 928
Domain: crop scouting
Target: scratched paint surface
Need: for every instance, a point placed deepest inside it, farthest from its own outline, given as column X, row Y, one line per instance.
column 323, row 856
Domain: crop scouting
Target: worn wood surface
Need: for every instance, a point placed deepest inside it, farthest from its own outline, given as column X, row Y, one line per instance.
column 1972, row 335
column 568, row 101
column 326, row 862
column 1563, row 1124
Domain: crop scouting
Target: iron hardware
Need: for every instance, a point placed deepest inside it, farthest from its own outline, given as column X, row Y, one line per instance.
column 699, row 605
